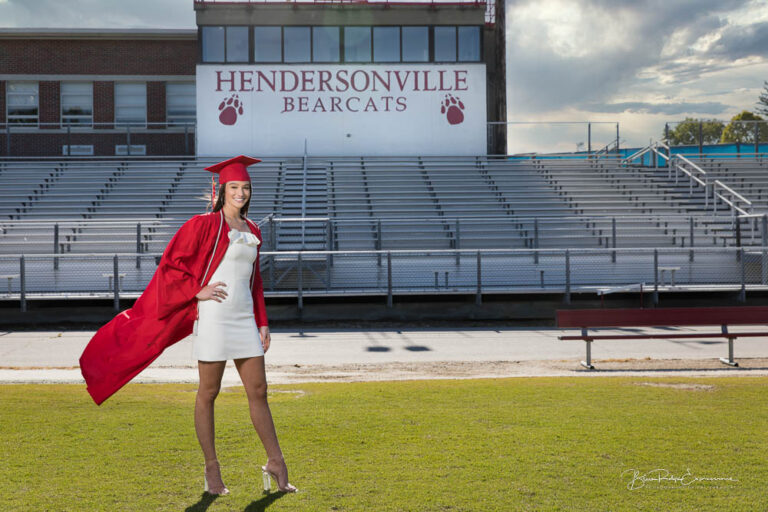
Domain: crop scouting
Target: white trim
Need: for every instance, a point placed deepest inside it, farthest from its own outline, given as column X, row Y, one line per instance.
column 98, row 78
column 221, row 224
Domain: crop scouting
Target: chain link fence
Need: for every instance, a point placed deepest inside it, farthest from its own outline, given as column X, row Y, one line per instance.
column 402, row 272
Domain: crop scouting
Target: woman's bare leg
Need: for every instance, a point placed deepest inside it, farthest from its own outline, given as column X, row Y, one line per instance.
column 210, row 383
column 255, row 381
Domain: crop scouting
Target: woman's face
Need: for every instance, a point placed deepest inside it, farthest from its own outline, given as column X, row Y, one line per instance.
column 237, row 193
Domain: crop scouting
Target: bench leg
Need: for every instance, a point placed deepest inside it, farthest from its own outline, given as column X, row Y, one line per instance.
column 588, row 363
column 730, row 360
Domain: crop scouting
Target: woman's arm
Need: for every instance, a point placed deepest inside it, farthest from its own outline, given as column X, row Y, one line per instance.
column 257, row 292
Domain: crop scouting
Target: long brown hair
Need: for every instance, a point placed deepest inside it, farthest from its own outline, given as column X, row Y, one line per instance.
column 220, row 200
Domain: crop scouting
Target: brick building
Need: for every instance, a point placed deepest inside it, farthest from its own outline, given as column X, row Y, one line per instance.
column 97, row 92
column 351, row 77
column 355, row 78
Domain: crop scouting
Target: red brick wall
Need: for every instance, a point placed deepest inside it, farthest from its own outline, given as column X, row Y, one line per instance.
column 103, row 104
column 96, row 57
column 155, row 103
column 115, row 57
column 49, row 101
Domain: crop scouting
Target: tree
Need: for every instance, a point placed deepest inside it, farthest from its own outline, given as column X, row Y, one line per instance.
column 687, row 132
column 742, row 127
column 762, row 101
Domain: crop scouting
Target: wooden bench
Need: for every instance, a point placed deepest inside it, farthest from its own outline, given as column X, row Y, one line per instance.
column 586, row 319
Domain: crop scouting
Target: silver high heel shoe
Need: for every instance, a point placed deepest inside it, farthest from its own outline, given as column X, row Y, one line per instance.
column 206, row 488
column 265, row 474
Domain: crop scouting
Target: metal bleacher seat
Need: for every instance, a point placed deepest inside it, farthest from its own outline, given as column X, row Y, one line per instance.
column 373, row 203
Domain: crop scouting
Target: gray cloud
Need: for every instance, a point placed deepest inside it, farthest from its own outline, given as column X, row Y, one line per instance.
column 541, row 80
column 97, row 14
column 737, row 42
column 709, row 107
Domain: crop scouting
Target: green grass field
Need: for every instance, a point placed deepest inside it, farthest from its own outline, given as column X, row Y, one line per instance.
column 454, row 445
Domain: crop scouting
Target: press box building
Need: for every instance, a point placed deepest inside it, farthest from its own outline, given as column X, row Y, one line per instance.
column 264, row 78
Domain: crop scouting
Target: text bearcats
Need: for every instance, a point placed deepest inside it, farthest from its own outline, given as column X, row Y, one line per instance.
column 343, row 80
column 339, row 104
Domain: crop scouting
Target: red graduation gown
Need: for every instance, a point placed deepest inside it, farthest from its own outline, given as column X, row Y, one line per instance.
column 165, row 313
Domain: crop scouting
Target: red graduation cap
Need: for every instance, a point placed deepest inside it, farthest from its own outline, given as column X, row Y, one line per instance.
column 233, row 169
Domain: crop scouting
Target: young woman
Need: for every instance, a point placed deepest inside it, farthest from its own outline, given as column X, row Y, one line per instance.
column 207, row 282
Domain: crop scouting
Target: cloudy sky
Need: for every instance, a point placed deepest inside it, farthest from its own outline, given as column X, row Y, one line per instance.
column 640, row 63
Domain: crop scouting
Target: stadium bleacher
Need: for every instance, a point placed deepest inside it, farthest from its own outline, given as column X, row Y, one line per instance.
column 134, row 206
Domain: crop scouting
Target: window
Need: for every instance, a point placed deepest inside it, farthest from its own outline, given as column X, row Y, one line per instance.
column 131, row 103
column 77, row 103
column 386, row 44
column 297, row 44
column 133, row 149
column 180, row 103
column 357, row 44
column 267, row 44
column 237, row 44
column 415, row 44
column 469, row 44
column 22, row 103
column 325, row 44
column 213, row 44
column 445, row 44
column 77, row 150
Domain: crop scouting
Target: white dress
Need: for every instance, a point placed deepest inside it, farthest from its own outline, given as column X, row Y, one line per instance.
column 227, row 329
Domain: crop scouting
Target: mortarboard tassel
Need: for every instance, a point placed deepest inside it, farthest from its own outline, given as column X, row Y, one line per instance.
column 213, row 192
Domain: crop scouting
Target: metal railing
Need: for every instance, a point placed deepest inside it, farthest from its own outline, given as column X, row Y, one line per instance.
column 81, row 137
column 290, row 233
column 391, row 273
column 677, row 163
column 750, row 134
column 591, row 143
column 490, row 5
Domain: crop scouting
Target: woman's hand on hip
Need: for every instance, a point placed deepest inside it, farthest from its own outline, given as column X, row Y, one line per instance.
column 265, row 337
column 214, row 291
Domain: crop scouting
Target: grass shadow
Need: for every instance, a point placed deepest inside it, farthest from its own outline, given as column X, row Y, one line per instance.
column 264, row 502
column 201, row 506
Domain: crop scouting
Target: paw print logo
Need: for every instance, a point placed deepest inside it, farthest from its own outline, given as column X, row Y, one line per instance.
column 229, row 109
column 453, row 109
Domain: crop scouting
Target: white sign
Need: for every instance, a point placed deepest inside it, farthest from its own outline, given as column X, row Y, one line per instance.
column 341, row 110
